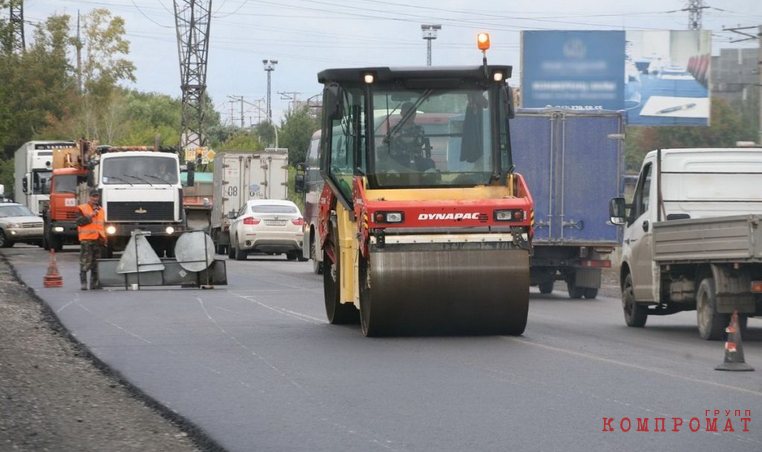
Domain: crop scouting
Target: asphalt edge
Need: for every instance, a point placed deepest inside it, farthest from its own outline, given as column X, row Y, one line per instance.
column 199, row 437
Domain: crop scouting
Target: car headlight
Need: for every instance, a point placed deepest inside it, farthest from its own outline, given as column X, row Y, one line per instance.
column 111, row 229
column 14, row 225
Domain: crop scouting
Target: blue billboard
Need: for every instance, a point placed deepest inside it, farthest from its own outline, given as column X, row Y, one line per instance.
column 657, row 77
column 573, row 69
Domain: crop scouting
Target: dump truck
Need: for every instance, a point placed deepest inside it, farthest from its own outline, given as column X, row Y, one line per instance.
column 240, row 176
column 422, row 234
column 33, row 169
column 573, row 236
column 692, row 237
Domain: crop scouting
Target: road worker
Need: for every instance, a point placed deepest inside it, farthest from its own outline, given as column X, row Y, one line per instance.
column 92, row 239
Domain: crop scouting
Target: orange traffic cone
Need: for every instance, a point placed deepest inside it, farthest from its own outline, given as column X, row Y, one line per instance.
column 734, row 360
column 52, row 278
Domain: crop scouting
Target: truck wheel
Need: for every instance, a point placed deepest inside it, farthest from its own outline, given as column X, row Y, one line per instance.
column 547, row 287
column 337, row 312
column 711, row 324
column 574, row 291
column 317, row 267
column 169, row 251
column 46, row 239
column 635, row 314
column 591, row 293
column 240, row 255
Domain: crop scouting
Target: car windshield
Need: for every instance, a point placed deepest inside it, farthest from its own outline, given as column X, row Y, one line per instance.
column 273, row 208
column 15, row 211
column 140, row 170
column 431, row 138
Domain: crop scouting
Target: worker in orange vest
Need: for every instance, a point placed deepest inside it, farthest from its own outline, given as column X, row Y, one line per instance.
column 92, row 239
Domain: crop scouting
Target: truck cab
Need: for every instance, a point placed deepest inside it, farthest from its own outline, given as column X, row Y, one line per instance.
column 61, row 215
column 140, row 190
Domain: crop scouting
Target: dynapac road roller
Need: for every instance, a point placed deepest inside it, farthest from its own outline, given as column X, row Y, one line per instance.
column 424, row 223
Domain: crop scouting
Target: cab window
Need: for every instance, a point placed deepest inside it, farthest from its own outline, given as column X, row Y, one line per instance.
column 347, row 133
column 642, row 198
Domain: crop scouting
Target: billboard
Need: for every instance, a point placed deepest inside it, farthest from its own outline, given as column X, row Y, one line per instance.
column 658, row 77
column 573, row 69
column 668, row 77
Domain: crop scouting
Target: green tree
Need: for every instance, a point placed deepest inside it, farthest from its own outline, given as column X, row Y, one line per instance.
column 295, row 133
column 242, row 141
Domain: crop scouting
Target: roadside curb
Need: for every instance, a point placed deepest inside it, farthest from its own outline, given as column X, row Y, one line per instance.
column 197, row 435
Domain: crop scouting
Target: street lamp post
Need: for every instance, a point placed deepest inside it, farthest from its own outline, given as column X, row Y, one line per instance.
column 429, row 34
column 269, row 66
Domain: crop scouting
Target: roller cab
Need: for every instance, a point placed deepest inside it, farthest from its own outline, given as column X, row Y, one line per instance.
column 424, row 223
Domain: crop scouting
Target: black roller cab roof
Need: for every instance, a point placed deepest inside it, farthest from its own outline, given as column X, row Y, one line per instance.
column 426, row 75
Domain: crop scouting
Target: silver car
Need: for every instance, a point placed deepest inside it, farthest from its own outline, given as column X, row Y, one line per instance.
column 19, row 224
column 267, row 226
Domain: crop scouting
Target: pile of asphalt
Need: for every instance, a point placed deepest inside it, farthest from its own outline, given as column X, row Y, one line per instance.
column 57, row 396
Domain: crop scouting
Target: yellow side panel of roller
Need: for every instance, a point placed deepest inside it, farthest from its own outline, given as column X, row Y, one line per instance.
column 348, row 247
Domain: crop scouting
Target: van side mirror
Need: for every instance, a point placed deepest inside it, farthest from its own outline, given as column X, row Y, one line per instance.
column 617, row 211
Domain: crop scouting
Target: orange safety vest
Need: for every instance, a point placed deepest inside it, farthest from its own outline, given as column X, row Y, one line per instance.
column 96, row 228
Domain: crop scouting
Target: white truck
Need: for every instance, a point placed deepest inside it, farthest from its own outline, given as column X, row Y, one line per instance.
column 33, row 169
column 140, row 189
column 693, row 237
column 240, row 176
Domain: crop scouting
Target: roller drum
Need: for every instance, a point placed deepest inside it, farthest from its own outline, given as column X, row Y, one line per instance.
column 465, row 288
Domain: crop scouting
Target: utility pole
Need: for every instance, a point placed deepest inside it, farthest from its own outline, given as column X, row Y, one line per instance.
column 192, row 22
column 694, row 8
column 78, row 44
column 748, row 37
column 269, row 66
column 290, row 96
column 429, row 34
column 16, row 40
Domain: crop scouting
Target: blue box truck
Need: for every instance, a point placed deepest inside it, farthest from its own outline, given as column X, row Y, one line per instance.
column 573, row 162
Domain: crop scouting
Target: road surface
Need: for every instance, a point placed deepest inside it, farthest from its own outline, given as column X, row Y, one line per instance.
column 257, row 367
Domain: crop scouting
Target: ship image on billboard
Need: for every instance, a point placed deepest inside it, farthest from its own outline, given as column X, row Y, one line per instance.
column 658, row 77
column 668, row 77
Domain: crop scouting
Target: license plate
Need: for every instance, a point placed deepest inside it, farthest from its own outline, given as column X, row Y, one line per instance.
column 275, row 222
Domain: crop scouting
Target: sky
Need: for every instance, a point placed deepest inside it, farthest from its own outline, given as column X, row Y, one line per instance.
column 307, row 36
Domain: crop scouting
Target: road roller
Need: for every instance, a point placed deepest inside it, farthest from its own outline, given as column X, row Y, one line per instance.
column 424, row 223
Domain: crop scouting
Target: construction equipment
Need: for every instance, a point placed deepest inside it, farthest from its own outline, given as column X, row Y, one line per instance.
column 423, row 231
column 68, row 188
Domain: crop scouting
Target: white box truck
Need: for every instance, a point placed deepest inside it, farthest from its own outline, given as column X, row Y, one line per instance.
column 240, row 176
column 33, row 169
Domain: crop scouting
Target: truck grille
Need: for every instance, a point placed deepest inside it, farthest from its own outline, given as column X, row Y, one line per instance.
column 140, row 211
column 70, row 215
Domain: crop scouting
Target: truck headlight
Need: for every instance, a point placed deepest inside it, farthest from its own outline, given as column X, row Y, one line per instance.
column 111, row 229
column 170, row 230
column 58, row 229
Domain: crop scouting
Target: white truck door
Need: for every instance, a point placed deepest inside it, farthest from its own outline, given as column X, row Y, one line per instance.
column 637, row 236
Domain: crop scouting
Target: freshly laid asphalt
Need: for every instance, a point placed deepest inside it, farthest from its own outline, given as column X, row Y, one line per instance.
column 256, row 366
